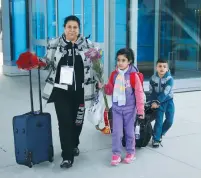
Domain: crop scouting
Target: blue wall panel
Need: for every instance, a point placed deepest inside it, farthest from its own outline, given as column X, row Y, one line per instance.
column 120, row 34
column 120, row 25
column 64, row 10
column 145, row 38
column 120, row 11
column 78, row 12
column 40, row 20
column 100, row 21
column 88, row 17
column 40, row 25
column 77, row 8
column 51, row 18
column 19, row 39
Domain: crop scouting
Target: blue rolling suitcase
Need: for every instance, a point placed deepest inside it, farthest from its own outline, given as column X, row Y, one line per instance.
column 33, row 134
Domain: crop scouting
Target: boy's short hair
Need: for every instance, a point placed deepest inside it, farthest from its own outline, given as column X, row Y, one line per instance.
column 161, row 61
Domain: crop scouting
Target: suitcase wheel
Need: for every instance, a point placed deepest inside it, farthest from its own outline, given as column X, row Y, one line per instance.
column 51, row 154
column 29, row 160
column 30, row 165
column 51, row 159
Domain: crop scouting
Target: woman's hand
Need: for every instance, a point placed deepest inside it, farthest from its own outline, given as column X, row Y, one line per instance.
column 108, row 88
column 35, row 67
column 100, row 85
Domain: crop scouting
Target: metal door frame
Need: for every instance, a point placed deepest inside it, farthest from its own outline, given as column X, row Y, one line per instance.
column 134, row 27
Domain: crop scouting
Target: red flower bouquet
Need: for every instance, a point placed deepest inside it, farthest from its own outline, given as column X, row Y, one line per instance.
column 28, row 61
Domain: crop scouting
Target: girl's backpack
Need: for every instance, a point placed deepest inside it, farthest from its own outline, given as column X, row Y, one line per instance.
column 145, row 133
column 132, row 78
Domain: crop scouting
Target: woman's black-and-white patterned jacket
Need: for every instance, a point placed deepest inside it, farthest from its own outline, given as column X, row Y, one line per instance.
column 55, row 50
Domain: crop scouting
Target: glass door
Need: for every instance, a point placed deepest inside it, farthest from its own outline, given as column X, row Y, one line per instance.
column 143, row 15
column 46, row 18
column 42, row 24
column 180, row 23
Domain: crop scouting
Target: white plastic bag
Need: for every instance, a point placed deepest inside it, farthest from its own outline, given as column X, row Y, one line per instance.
column 96, row 112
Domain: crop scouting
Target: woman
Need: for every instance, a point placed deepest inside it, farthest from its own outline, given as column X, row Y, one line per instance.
column 71, row 85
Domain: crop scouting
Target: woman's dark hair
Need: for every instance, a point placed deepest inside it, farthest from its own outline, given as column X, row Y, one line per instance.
column 128, row 53
column 71, row 18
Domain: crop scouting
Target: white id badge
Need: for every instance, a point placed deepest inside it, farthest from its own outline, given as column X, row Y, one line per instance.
column 66, row 75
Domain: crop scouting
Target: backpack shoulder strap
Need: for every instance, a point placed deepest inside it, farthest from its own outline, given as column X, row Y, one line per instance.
column 112, row 77
column 132, row 78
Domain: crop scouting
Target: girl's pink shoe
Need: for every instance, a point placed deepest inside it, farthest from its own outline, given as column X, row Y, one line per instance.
column 129, row 158
column 116, row 159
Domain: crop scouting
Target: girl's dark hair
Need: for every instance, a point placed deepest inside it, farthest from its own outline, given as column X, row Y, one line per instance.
column 128, row 53
column 71, row 18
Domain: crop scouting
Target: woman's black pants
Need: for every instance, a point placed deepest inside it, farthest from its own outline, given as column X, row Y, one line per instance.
column 69, row 107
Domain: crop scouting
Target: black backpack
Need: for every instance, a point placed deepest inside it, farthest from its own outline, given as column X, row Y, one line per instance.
column 145, row 133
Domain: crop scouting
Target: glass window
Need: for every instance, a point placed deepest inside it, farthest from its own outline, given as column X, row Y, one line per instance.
column 78, row 11
column 38, row 19
column 65, row 8
column 88, row 18
column 43, row 24
column 38, row 25
column 51, row 19
column 145, row 36
column 40, row 50
column 180, row 36
column 100, row 21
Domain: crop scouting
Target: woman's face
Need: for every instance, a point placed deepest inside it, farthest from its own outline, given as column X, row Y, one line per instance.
column 71, row 30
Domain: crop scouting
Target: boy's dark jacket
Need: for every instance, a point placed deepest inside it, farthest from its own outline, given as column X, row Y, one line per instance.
column 161, row 88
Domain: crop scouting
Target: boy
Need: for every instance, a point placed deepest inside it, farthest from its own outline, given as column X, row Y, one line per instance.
column 161, row 95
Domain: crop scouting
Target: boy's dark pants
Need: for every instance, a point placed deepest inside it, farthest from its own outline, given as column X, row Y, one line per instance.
column 160, row 127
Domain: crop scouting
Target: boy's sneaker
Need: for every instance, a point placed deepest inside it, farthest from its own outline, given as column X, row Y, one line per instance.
column 66, row 164
column 155, row 143
column 161, row 139
column 116, row 159
column 129, row 158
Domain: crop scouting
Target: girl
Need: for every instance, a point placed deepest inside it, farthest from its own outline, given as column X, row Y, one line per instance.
column 127, row 101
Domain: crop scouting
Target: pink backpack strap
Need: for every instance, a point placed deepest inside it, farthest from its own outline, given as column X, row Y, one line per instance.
column 109, row 87
column 113, row 74
column 132, row 79
column 136, row 81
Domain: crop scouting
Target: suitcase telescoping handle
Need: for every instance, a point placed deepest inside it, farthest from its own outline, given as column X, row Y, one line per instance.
column 39, row 89
column 31, row 91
